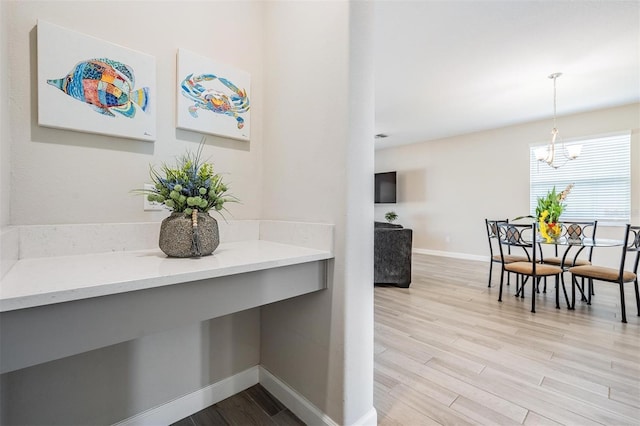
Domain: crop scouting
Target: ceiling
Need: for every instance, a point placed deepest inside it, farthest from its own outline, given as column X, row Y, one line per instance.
column 445, row 68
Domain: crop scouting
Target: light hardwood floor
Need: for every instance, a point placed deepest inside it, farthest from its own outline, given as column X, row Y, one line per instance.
column 447, row 352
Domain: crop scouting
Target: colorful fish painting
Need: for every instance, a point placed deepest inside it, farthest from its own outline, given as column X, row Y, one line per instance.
column 106, row 85
column 233, row 104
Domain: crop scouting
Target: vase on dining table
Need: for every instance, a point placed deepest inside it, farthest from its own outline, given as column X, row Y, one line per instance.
column 548, row 211
column 550, row 231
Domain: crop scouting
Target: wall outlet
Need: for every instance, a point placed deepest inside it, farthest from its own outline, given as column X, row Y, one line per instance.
column 151, row 206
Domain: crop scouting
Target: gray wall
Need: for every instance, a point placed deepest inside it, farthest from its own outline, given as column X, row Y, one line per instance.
column 315, row 166
column 87, row 178
column 318, row 163
column 110, row 384
column 61, row 176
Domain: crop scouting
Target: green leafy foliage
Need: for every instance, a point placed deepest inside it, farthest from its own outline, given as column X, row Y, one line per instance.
column 189, row 185
column 550, row 208
column 390, row 216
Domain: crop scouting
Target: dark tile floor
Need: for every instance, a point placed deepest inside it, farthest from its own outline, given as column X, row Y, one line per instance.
column 254, row 406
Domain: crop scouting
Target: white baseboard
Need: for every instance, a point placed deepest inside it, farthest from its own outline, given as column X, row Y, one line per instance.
column 369, row 419
column 290, row 398
column 452, row 254
column 189, row 404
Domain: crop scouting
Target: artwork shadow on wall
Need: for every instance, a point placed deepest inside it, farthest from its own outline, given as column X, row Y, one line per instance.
column 90, row 85
column 212, row 97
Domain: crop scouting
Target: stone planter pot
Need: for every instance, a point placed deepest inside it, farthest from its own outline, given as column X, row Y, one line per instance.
column 177, row 238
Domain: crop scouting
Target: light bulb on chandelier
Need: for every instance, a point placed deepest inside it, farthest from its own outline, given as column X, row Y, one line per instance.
column 548, row 154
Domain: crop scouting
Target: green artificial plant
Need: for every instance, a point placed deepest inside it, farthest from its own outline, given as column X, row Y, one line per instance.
column 192, row 184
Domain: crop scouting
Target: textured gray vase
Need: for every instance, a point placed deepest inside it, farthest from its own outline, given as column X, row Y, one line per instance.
column 177, row 239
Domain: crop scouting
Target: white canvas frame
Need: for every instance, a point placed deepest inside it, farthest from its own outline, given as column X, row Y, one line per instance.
column 59, row 51
column 194, row 112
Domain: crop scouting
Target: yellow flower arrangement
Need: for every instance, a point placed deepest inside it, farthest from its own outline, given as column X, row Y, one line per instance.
column 549, row 231
column 548, row 213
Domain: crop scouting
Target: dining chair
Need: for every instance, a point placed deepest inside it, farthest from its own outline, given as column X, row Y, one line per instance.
column 574, row 231
column 630, row 256
column 523, row 236
column 492, row 235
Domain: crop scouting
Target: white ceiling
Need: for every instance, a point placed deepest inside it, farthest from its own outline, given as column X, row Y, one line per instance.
column 445, row 68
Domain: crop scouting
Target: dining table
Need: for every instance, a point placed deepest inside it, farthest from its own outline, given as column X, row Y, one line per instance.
column 579, row 244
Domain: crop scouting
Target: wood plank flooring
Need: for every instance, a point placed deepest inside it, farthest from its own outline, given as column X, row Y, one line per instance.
column 254, row 406
column 447, row 352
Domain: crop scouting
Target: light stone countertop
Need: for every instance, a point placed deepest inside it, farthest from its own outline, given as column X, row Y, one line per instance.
column 38, row 281
column 43, row 281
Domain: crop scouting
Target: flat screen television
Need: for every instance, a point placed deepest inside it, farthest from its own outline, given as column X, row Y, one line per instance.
column 385, row 187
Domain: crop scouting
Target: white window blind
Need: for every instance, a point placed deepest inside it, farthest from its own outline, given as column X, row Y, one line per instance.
column 601, row 175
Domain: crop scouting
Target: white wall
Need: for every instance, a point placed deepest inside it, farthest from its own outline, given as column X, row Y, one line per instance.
column 318, row 161
column 312, row 93
column 63, row 176
column 5, row 148
column 448, row 187
column 5, row 133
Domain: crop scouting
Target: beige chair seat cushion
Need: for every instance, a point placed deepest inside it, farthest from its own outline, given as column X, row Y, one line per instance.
column 526, row 268
column 509, row 258
column 558, row 261
column 601, row 273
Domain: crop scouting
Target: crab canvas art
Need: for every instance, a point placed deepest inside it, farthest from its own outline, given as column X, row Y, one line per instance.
column 234, row 103
column 212, row 97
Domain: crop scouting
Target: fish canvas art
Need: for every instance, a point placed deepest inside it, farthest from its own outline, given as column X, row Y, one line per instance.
column 106, row 85
column 212, row 97
column 96, row 87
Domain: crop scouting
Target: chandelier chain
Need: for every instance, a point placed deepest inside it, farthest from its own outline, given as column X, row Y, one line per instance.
column 548, row 155
column 555, row 77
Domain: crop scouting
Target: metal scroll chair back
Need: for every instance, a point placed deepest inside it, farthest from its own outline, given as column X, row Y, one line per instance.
column 492, row 227
column 513, row 235
column 631, row 256
column 492, row 235
column 576, row 231
column 523, row 236
column 632, row 247
column 626, row 273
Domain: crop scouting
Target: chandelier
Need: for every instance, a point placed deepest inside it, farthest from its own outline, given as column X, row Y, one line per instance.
column 548, row 154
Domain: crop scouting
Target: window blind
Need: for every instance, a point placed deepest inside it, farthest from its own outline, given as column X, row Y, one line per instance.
column 601, row 176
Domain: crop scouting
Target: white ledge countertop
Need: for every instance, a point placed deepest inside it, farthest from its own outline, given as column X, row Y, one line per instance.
column 42, row 281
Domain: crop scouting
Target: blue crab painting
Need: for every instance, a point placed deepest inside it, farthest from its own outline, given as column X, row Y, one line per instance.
column 234, row 103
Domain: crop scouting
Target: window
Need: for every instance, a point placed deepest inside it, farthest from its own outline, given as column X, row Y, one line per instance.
column 602, row 178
